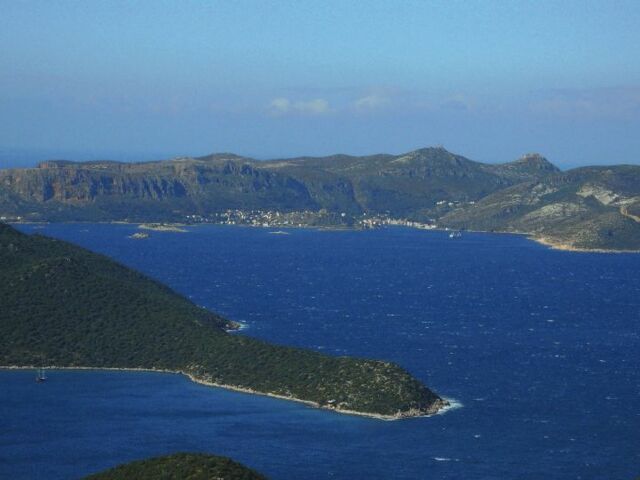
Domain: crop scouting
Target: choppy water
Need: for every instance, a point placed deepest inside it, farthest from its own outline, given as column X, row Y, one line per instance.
column 541, row 347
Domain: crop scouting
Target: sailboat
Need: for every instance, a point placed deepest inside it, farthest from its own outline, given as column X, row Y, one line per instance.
column 40, row 375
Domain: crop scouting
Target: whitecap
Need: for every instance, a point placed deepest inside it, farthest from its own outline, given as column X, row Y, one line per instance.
column 241, row 326
column 453, row 405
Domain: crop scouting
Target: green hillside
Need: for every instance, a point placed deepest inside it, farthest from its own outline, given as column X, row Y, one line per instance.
column 66, row 306
column 180, row 466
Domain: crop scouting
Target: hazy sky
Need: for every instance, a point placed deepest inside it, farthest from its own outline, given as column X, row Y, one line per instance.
column 488, row 79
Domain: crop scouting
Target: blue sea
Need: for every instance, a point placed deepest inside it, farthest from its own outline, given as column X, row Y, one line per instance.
column 540, row 350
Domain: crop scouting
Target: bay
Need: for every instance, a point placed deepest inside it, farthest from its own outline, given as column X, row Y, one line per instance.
column 540, row 347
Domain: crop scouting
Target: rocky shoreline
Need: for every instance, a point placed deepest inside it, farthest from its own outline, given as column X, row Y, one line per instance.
column 555, row 245
column 437, row 407
column 163, row 227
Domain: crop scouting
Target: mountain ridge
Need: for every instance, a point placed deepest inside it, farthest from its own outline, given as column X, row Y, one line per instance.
column 429, row 185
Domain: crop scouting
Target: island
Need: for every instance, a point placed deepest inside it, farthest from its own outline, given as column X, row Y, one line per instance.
column 587, row 208
column 139, row 236
column 163, row 227
column 66, row 307
column 180, row 466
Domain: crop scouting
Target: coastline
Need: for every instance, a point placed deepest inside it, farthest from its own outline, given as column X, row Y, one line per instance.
column 554, row 245
column 180, row 228
column 442, row 407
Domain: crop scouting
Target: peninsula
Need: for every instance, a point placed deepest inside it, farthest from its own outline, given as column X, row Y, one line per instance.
column 64, row 306
column 588, row 208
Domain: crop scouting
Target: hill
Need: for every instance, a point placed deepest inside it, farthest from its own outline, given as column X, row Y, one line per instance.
column 585, row 208
column 180, row 466
column 168, row 190
column 65, row 306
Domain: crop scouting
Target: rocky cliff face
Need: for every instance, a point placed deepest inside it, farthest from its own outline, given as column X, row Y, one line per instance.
column 75, row 184
column 187, row 186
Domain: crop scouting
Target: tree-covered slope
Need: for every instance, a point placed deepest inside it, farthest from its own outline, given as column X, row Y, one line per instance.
column 66, row 306
column 180, row 466
column 411, row 184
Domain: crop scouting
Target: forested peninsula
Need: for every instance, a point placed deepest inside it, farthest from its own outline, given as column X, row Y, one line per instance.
column 65, row 306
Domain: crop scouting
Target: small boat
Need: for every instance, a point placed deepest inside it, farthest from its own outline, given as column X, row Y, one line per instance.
column 40, row 376
column 456, row 234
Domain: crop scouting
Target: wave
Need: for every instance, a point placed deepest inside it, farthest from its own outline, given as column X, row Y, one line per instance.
column 241, row 326
column 453, row 405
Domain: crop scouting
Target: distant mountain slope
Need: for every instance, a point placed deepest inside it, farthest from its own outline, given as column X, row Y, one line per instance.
column 180, row 466
column 65, row 306
column 408, row 184
column 148, row 191
column 586, row 208
column 529, row 195
column 412, row 184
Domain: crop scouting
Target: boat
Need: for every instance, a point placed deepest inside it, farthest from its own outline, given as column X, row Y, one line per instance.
column 456, row 234
column 40, row 376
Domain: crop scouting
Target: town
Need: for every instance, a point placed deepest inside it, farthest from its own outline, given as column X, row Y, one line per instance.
column 305, row 218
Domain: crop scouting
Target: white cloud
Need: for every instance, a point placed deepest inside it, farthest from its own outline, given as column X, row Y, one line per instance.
column 371, row 102
column 283, row 106
column 312, row 107
column 279, row 105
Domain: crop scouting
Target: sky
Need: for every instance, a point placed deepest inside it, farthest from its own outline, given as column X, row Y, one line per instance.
column 490, row 80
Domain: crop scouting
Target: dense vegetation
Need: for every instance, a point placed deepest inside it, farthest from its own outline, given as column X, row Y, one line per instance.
column 180, row 466
column 66, row 306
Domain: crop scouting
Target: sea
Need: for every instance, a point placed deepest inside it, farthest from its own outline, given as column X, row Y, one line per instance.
column 538, row 350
